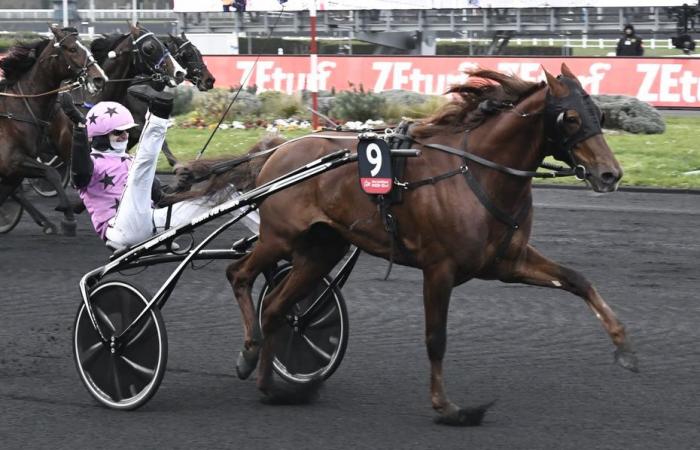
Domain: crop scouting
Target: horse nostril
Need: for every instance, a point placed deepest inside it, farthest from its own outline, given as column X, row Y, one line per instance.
column 210, row 83
column 609, row 177
column 99, row 82
column 180, row 76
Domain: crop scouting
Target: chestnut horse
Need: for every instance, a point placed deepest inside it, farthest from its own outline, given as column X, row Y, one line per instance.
column 33, row 73
column 466, row 213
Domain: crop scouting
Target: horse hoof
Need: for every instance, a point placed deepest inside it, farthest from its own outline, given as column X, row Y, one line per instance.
column 293, row 394
column 627, row 358
column 463, row 417
column 246, row 363
column 68, row 227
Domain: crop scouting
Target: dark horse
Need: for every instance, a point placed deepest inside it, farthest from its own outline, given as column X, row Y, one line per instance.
column 137, row 56
column 189, row 57
column 466, row 213
column 33, row 73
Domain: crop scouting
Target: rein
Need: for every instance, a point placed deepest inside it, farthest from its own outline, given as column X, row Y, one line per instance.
column 65, row 88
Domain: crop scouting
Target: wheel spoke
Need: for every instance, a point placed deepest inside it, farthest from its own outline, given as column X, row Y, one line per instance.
column 117, row 381
column 316, row 349
column 104, row 317
column 323, row 320
column 144, row 372
column 88, row 356
column 141, row 333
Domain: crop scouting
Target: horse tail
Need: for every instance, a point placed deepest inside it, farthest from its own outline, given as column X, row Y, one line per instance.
column 205, row 177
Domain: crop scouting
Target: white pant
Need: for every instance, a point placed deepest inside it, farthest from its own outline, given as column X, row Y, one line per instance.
column 136, row 219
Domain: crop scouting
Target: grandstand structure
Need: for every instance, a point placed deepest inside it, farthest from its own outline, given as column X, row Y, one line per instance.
column 400, row 28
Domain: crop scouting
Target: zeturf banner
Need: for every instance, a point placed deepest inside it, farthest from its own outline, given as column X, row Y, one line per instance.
column 669, row 82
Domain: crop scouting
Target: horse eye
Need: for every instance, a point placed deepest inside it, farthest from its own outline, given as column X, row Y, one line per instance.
column 73, row 50
column 573, row 119
column 148, row 49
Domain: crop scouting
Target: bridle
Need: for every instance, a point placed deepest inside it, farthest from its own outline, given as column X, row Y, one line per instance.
column 140, row 58
column 80, row 80
column 81, row 73
column 195, row 69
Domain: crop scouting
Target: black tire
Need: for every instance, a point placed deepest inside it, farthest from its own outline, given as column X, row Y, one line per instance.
column 315, row 349
column 128, row 378
column 41, row 185
column 10, row 214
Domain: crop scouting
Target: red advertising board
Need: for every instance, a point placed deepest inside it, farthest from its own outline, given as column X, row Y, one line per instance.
column 668, row 82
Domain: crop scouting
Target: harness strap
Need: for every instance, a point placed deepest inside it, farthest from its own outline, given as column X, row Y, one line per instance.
column 495, row 211
column 490, row 164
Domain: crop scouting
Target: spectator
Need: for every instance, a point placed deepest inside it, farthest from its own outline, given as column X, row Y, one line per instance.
column 629, row 44
column 227, row 5
column 239, row 5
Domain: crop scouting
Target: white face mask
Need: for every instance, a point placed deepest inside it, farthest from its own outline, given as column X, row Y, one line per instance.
column 118, row 146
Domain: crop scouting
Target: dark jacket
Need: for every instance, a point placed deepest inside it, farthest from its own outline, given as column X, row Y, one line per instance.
column 629, row 46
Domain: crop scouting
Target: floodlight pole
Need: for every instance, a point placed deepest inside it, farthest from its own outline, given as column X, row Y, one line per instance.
column 313, row 73
column 65, row 13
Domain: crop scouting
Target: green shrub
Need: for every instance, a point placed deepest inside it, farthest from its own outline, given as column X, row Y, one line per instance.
column 400, row 108
column 278, row 105
column 630, row 114
column 184, row 95
column 211, row 106
column 358, row 105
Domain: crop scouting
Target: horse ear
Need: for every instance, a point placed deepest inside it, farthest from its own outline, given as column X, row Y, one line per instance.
column 567, row 72
column 182, row 35
column 556, row 87
column 134, row 28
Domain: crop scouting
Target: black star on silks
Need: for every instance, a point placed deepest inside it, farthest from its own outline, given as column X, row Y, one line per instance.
column 107, row 181
column 124, row 158
column 92, row 118
column 116, row 204
column 111, row 111
column 97, row 155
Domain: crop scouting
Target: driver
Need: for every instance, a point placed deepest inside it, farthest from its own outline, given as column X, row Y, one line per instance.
column 119, row 190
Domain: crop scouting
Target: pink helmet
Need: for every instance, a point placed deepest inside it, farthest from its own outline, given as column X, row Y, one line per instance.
column 106, row 117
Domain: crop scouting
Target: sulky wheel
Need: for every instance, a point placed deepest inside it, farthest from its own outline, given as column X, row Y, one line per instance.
column 128, row 377
column 41, row 185
column 10, row 214
column 312, row 342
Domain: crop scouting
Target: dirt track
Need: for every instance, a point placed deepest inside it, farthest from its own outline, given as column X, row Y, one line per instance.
column 540, row 352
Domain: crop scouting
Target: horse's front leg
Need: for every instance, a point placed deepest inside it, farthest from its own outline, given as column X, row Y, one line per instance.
column 37, row 169
column 437, row 288
column 534, row 269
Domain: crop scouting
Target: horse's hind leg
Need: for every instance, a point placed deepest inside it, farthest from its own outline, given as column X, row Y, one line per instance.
column 241, row 275
column 537, row 270
column 315, row 256
column 437, row 288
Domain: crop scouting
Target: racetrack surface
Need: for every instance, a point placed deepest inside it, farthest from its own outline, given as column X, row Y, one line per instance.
column 540, row 352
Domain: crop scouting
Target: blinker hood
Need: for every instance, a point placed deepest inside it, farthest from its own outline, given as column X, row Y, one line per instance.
column 561, row 144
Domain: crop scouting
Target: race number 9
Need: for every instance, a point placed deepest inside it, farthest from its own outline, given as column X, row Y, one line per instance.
column 374, row 163
column 374, row 157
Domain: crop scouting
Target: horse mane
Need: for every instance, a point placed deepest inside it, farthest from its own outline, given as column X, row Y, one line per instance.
column 20, row 58
column 101, row 46
column 242, row 175
column 494, row 88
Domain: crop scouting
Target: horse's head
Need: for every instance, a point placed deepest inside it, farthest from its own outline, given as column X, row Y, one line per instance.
column 190, row 57
column 153, row 57
column 573, row 126
column 79, row 61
